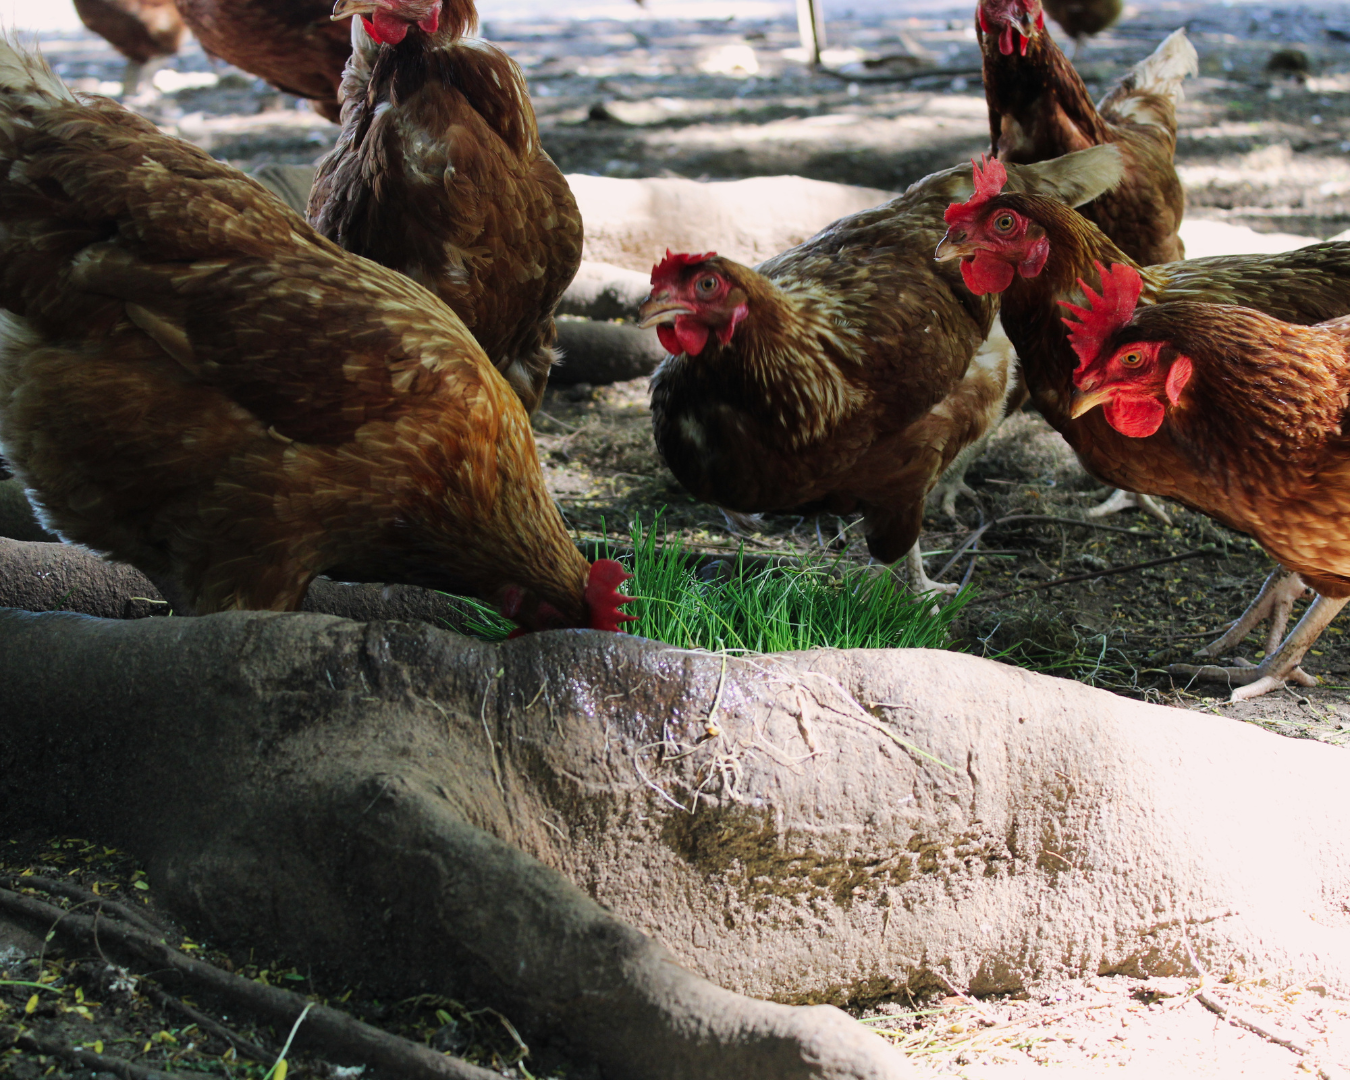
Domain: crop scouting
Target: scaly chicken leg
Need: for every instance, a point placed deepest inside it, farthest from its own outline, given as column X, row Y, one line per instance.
column 1275, row 670
column 1121, row 499
column 1275, row 602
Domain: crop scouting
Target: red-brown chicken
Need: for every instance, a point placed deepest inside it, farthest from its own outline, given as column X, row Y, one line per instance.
column 1040, row 109
column 141, row 30
column 1083, row 18
column 838, row 372
column 1035, row 251
column 293, row 44
column 439, row 174
column 1254, row 406
column 195, row 382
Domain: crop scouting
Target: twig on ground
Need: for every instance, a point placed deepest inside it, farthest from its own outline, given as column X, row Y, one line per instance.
column 331, row 1032
column 71, row 891
column 903, row 76
column 165, row 1000
column 1097, row 574
column 98, row 1063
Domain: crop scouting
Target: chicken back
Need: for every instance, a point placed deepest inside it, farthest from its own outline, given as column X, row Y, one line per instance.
column 439, row 173
column 195, row 382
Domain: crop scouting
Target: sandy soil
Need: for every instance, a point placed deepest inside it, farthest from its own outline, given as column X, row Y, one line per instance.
column 727, row 99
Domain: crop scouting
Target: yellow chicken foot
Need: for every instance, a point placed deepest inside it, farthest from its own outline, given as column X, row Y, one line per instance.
column 1276, row 669
column 919, row 579
column 1129, row 500
column 1275, row 602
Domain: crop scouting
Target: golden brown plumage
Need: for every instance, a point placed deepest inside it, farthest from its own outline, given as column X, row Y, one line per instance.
column 439, row 173
column 193, row 381
column 1039, row 109
column 293, row 44
column 838, row 372
column 1083, row 18
column 141, row 30
column 1253, row 406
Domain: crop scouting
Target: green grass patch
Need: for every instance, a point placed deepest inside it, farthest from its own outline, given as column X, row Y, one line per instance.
column 819, row 603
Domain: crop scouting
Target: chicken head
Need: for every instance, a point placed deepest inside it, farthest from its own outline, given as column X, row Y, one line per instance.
column 388, row 21
column 1015, row 22
column 692, row 297
column 992, row 241
column 604, row 603
column 1128, row 380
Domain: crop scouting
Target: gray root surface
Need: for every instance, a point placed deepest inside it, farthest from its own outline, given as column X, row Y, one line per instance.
column 600, row 353
column 434, row 813
column 64, row 577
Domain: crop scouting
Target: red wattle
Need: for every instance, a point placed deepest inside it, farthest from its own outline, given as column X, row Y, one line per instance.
column 1135, row 417
column 692, row 335
column 984, row 23
column 986, row 274
column 1005, row 41
column 386, row 28
column 1025, row 41
column 669, row 341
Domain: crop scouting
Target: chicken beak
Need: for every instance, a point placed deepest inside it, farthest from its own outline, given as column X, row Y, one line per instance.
column 661, row 312
column 1086, row 401
column 345, row 9
column 955, row 245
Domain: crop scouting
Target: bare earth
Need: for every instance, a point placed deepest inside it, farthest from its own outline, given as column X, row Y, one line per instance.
column 650, row 98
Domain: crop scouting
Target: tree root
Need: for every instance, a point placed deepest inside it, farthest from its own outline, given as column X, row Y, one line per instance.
column 99, row 1063
column 328, row 1032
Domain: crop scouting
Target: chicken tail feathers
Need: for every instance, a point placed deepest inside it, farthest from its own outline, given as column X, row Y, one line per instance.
column 26, row 81
column 1075, row 178
column 1163, row 71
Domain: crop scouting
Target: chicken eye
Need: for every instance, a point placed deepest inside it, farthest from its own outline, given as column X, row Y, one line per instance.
column 1130, row 359
column 707, row 285
column 1004, row 222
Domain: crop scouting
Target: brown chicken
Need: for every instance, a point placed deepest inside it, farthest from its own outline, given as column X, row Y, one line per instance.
column 1081, row 19
column 195, row 382
column 293, row 44
column 1253, row 405
column 1039, row 109
column 439, row 174
column 839, row 372
column 141, row 30
column 1035, row 251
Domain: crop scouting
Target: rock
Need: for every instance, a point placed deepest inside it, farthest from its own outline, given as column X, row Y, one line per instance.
column 603, row 291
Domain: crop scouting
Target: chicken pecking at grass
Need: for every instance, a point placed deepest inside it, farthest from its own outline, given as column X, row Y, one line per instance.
column 195, row 382
column 846, row 372
column 293, row 44
column 141, row 30
column 1039, row 108
column 439, row 173
column 1037, row 253
column 1254, row 406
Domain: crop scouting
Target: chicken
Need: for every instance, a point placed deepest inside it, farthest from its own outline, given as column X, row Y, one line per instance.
column 840, row 372
column 1035, row 251
column 438, row 173
column 1039, row 109
column 293, row 44
column 141, row 30
column 1081, row 19
column 1253, row 406
column 195, row 382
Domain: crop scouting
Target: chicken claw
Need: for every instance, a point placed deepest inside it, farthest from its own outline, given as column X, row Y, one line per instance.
column 1275, row 602
column 1277, row 669
column 919, row 578
column 1129, row 500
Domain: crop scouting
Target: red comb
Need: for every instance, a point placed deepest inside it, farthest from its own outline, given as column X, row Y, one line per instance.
column 671, row 264
column 989, row 182
column 1107, row 313
column 603, row 596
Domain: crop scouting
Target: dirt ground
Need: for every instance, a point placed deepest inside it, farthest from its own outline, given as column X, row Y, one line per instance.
column 649, row 97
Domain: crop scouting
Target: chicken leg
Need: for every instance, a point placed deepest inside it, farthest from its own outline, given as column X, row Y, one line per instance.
column 1129, row 500
column 1276, row 669
column 1275, row 602
column 919, row 579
